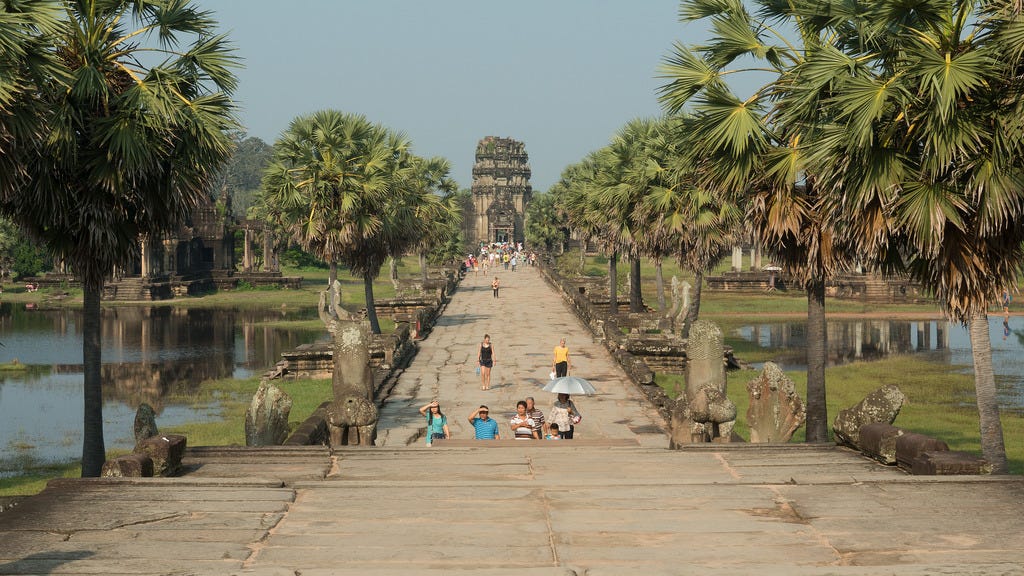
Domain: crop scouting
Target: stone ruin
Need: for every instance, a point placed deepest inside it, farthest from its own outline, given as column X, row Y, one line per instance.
column 352, row 417
column 266, row 420
column 680, row 303
column 500, row 191
column 155, row 454
column 882, row 405
column 776, row 410
column 703, row 413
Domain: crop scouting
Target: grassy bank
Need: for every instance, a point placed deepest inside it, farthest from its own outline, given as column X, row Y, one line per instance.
column 940, row 400
column 226, row 401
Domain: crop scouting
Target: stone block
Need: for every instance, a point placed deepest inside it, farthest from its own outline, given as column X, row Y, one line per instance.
column 948, row 462
column 128, row 466
column 882, row 405
column 878, row 440
column 911, row 445
column 166, row 451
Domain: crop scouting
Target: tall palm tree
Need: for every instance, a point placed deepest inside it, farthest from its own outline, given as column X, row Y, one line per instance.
column 28, row 63
column 932, row 150
column 129, row 148
column 327, row 183
column 750, row 148
column 685, row 219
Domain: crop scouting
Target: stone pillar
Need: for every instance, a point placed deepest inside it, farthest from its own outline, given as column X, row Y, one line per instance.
column 858, row 339
column 247, row 252
column 755, row 257
column 737, row 258
column 268, row 254
column 145, row 255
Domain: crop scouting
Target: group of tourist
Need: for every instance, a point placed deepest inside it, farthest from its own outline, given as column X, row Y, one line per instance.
column 528, row 422
column 506, row 255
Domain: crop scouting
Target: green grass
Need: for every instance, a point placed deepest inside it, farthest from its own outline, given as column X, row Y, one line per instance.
column 940, row 400
column 226, row 399
column 233, row 398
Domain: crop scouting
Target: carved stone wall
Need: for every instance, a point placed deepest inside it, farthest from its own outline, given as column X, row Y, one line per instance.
column 501, row 190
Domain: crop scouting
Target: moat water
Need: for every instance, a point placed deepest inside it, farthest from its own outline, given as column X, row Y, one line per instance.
column 160, row 355
column 937, row 341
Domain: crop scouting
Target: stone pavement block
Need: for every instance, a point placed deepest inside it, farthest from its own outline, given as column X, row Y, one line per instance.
column 503, row 553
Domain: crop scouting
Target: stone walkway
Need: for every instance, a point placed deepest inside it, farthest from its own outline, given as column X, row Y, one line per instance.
column 525, row 323
column 612, row 502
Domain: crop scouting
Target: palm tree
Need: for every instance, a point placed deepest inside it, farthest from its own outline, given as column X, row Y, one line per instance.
column 683, row 218
column 932, row 151
column 327, row 183
column 27, row 64
column 751, row 148
column 128, row 150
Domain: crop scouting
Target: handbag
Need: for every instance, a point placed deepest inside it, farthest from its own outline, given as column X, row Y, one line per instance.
column 551, row 376
column 576, row 419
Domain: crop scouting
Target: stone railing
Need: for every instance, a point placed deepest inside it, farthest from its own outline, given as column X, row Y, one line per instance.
column 389, row 353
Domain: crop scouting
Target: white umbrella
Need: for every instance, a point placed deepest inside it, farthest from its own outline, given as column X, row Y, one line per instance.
column 570, row 385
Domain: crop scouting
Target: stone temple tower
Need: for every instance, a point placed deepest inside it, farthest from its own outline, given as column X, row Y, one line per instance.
column 501, row 190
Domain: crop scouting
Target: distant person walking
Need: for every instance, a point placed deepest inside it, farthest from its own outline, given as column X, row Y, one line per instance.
column 484, row 427
column 495, row 284
column 560, row 362
column 485, row 359
column 565, row 414
column 437, row 422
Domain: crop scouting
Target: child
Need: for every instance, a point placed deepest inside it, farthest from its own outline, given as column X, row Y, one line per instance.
column 553, row 433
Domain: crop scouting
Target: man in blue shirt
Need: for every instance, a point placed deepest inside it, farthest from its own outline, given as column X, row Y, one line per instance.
column 486, row 429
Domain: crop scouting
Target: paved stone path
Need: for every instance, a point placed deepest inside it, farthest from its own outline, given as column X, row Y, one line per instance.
column 613, row 502
column 525, row 323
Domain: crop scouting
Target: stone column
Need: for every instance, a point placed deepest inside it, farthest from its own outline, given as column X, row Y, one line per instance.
column 755, row 257
column 247, row 253
column 267, row 252
column 737, row 258
column 145, row 258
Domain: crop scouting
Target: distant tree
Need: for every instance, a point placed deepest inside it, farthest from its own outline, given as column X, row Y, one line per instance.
column 243, row 174
column 546, row 226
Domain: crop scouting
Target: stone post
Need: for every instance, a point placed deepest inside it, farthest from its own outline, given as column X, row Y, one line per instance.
column 268, row 262
column 737, row 258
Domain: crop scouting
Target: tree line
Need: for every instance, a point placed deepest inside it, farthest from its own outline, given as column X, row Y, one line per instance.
column 886, row 135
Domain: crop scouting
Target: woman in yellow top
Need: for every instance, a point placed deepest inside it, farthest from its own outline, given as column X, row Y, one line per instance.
column 561, row 362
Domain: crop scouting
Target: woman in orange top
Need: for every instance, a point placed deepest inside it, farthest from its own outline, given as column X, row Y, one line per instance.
column 560, row 364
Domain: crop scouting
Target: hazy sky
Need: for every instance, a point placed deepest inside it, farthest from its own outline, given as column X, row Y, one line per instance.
column 559, row 75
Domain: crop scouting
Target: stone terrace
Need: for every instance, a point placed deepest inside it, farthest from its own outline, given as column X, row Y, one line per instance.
column 614, row 501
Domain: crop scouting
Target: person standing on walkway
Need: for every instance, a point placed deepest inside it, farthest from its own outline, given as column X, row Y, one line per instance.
column 536, row 415
column 521, row 423
column 514, row 261
column 495, row 284
column 566, row 415
column 484, row 428
column 437, row 422
column 485, row 360
column 560, row 363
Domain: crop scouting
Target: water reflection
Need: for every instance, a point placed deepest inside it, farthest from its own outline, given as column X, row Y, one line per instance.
column 150, row 354
column 935, row 340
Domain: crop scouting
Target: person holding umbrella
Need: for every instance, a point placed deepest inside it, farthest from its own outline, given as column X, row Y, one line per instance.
column 565, row 414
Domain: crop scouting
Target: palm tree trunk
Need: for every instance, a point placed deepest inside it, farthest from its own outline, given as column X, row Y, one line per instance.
column 423, row 267
column 583, row 256
column 693, row 310
column 636, row 297
column 93, row 450
column 992, row 446
column 332, row 275
column 613, row 283
column 659, row 284
column 817, row 349
column 371, row 307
